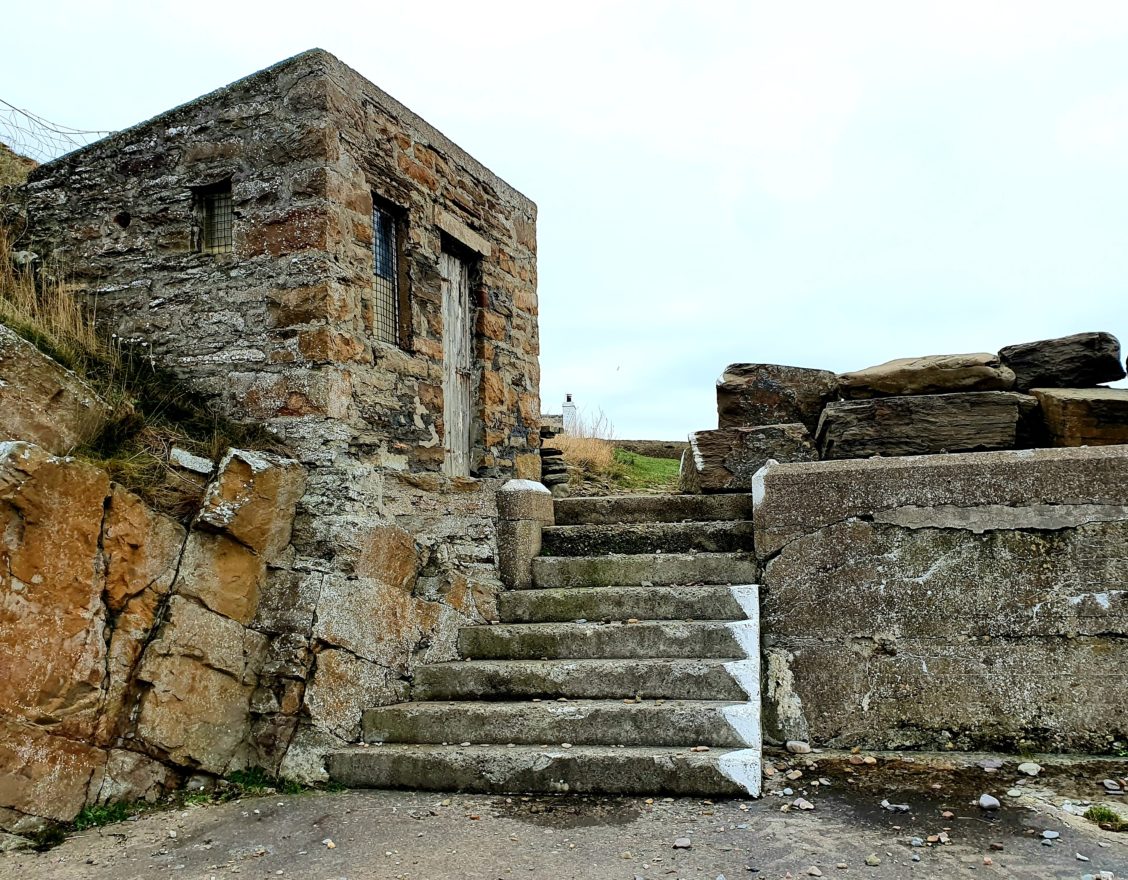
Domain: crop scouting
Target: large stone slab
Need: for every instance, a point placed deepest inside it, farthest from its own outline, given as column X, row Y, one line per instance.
column 925, row 424
column 1084, row 416
column 772, row 394
column 1078, row 361
column 985, row 491
column 42, row 402
column 724, row 460
column 933, row 374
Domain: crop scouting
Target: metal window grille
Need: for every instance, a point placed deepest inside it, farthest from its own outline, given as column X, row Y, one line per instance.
column 219, row 222
column 385, row 280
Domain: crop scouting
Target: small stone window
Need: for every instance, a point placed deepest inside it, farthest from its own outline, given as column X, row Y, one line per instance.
column 215, row 216
column 390, row 307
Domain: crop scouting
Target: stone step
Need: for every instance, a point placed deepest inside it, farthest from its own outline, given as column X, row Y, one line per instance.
column 672, row 679
column 652, row 508
column 648, row 569
column 581, row 722
column 584, row 769
column 676, row 537
column 645, row 639
column 619, row 603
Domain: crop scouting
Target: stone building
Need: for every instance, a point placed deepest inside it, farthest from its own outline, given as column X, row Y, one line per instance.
column 313, row 257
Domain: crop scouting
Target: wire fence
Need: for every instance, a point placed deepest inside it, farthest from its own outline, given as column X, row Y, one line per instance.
column 40, row 139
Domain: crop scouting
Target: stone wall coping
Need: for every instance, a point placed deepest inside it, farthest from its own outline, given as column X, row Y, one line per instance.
column 524, row 486
column 983, row 460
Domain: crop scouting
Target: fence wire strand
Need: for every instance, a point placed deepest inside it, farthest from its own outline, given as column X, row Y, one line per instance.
column 40, row 139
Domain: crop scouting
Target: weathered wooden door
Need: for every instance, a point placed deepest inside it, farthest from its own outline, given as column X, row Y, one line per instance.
column 457, row 365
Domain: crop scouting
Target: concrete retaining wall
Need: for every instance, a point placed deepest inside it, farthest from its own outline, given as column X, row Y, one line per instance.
column 967, row 601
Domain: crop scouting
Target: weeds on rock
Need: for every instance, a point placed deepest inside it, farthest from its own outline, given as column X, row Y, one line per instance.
column 1106, row 818
column 152, row 410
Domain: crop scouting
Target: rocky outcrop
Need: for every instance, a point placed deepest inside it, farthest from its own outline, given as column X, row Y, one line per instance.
column 750, row 395
column 1085, row 416
column 130, row 659
column 935, row 374
column 1079, row 361
column 724, row 460
column 924, row 424
column 43, row 403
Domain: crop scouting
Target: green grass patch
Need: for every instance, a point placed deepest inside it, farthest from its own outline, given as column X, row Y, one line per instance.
column 1106, row 817
column 107, row 814
column 634, row 471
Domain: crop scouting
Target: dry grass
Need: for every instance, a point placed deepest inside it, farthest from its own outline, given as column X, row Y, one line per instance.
column 40, row 307
column 152, row 410
column 14, row 168
column 587, row 445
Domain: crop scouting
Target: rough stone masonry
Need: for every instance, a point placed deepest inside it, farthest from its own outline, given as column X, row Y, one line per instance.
column 386, row 553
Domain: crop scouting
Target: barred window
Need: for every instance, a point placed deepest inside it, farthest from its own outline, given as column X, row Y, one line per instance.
column 386, row 288
column 216, row 218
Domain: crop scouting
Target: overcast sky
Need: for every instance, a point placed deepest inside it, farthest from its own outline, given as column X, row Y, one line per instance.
column 825, row 184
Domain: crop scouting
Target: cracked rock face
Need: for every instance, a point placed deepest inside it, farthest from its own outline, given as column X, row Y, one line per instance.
column 126, row 636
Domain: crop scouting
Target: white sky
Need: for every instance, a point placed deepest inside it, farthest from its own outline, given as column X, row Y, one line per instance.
column 822, row 184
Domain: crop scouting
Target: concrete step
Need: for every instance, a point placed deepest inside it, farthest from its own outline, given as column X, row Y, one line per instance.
column 646, row 639
column 650, row 569
column 581, row 722
column 676, row 537
column 652, row 508
column 583, row 769
column 672, row 679
column 619, row 603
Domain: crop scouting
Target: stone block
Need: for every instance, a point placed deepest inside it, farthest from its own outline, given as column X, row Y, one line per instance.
column 133, row 777
column 924, row 424
column 43, row 403
column 995, row 489
column 1078, row 361
column 771, row 394
column 223, row 574
column 725, row 459
column 1084, row 416
column 949, row 573
column 252, row 499
column 343, row 686
column 525, row 499
column 934, row 374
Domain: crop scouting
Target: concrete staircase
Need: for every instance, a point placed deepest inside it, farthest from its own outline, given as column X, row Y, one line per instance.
column 630, row 667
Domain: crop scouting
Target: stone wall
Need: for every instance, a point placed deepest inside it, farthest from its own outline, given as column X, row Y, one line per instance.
column 1037, row 394
column 387, row 555
column 949, row 601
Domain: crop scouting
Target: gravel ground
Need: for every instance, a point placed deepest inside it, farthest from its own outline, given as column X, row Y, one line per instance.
column 426, row 836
